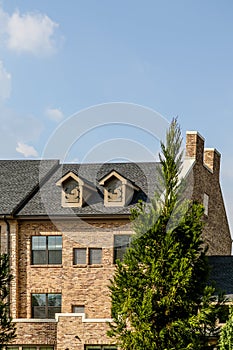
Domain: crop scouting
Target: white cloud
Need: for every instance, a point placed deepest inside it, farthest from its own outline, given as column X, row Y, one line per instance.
column 54, row 114
column 5, row 83
column 17, row 128
column 33, row 33
column 26, row 150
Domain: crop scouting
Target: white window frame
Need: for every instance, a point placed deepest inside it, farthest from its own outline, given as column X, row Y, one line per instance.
column 26, row 346
column 206, row 203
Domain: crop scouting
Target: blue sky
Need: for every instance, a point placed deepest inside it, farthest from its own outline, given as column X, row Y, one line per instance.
column 60, row 57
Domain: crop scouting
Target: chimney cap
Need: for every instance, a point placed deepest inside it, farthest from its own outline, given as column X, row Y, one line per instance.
column 195, row 133
column 213, row 150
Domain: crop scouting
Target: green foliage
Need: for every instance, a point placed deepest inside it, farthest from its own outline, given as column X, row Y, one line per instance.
column 7, row 328
column 160, row 297
column 226, row 334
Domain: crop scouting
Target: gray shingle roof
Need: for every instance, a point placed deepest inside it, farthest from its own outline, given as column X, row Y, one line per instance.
column 222, row 273
column 18, row 179
column 47, row 201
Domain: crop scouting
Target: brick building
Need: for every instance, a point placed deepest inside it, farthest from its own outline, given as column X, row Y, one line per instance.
column 65, row 224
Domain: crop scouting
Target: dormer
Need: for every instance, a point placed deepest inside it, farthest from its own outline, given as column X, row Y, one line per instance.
column 118, row 191
column 75, row 190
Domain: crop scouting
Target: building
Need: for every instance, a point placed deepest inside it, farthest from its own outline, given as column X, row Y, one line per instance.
column 65, row 224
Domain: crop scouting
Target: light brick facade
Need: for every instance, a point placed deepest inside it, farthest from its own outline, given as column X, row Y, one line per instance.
column 87, row 285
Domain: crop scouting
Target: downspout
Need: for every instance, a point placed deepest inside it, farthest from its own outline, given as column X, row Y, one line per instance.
column 8, row 253
column 8, row 235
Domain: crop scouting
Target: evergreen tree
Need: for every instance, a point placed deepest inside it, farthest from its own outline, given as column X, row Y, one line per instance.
column 7, row 328
column 226, row 334
column 160, row 296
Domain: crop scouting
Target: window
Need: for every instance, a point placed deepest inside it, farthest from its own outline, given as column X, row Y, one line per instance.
column 46, row 250
column 115, row 191
column 45, row 305
column 121, row 243
column 90, row 256
column 206, row 204
column 78, row 309
column 71, row 191
column 80, row 256
column 95, row 256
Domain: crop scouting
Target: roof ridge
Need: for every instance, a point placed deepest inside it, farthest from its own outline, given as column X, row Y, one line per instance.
column 114, row 163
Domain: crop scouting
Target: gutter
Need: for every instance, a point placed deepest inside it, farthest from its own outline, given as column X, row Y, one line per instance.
column 74, row 217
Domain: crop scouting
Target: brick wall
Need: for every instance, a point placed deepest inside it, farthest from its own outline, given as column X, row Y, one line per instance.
column 38, row 333
column 79, row 285
column 79, row 333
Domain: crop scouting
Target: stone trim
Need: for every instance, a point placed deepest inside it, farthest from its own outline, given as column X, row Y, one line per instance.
column 48, row 320
column 213, row 150
column 195, row 133
column 34, row 320
column 84, row 319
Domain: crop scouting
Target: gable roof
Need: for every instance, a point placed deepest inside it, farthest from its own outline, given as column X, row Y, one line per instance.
column 28, row 187
column 72, row 175
column 115, row 174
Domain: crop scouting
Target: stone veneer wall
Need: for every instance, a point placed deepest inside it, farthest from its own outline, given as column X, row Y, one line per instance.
column 204, row 178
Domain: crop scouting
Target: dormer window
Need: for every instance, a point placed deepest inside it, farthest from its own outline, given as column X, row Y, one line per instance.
column 114, row 191
column 71, row 191
column 118, row 191
column 75, row 191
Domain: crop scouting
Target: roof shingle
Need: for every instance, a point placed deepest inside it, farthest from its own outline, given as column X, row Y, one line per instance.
column 47, row 201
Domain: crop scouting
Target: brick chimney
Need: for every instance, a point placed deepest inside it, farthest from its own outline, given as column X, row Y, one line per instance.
column 195, row 146
column 209, row 157
column 212, row 160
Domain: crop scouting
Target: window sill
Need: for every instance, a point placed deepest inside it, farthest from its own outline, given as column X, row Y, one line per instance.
column 47, row 265
column 85, row 265
column 34, row 320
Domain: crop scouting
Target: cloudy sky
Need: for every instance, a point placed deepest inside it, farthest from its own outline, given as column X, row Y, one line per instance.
column 58, row 58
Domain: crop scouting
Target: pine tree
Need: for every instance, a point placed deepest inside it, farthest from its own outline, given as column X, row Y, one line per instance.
column 7, row 328
column 160, row 296
column 226, row 334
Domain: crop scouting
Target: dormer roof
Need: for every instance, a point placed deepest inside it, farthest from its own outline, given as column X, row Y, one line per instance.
column 79, row 179
column 114, row 174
